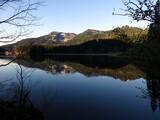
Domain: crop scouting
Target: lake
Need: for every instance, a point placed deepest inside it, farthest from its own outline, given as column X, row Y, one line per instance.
column 83, row 87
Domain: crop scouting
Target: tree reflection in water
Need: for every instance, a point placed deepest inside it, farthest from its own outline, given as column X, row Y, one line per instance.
column 152, row 92
column 15, row 97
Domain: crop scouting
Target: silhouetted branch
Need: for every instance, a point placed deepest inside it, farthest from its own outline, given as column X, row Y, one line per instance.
column 21, row 16
column 139, row 10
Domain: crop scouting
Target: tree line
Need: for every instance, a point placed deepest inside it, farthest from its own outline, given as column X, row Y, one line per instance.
column 90, row 47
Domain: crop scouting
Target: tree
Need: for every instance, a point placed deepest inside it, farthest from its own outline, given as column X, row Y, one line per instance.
column 16, row 16
column 146, row 10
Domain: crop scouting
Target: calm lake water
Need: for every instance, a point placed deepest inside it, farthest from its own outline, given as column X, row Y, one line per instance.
column 83, row 87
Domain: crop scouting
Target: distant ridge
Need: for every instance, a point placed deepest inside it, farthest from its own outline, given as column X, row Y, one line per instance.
column 62, row 38
column 92, row 34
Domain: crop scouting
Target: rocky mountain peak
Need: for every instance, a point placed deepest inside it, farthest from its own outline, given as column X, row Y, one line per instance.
column 61, row 36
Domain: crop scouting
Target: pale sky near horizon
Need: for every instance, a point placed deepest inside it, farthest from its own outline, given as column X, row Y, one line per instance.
column 76, row 16
column 79, row 15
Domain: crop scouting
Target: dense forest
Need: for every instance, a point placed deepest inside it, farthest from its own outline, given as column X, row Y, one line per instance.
column 90, row 47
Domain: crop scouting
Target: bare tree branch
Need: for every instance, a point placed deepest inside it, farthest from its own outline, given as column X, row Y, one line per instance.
column 19, row 16
column 139, row 10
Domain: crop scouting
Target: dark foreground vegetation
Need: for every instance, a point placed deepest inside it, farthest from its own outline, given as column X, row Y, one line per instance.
column 11, row 111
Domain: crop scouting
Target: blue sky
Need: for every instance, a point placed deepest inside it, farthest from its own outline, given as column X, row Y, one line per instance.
column 78, row 15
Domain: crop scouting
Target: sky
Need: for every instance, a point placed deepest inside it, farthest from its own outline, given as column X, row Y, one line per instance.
column 76, row 16
column 79, row 15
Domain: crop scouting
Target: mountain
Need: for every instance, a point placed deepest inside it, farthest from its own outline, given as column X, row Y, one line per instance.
column 60, row 37
column 51, row 38
column 89, row 35
column 125, row 34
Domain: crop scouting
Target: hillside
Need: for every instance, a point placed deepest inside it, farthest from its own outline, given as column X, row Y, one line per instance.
column 89, row 35
column 127, row 34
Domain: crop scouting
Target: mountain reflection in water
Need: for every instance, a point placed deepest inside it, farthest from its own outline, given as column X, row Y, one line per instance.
column 86, row 65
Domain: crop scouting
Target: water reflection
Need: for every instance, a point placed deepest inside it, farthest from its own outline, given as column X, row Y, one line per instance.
column 93, row 61
column 62, row 89
column 60, row 68
column 15, row 100
column 152, row 77
column 16, row 96
column 152, row 92
column 87, row 65
column 105, row 65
